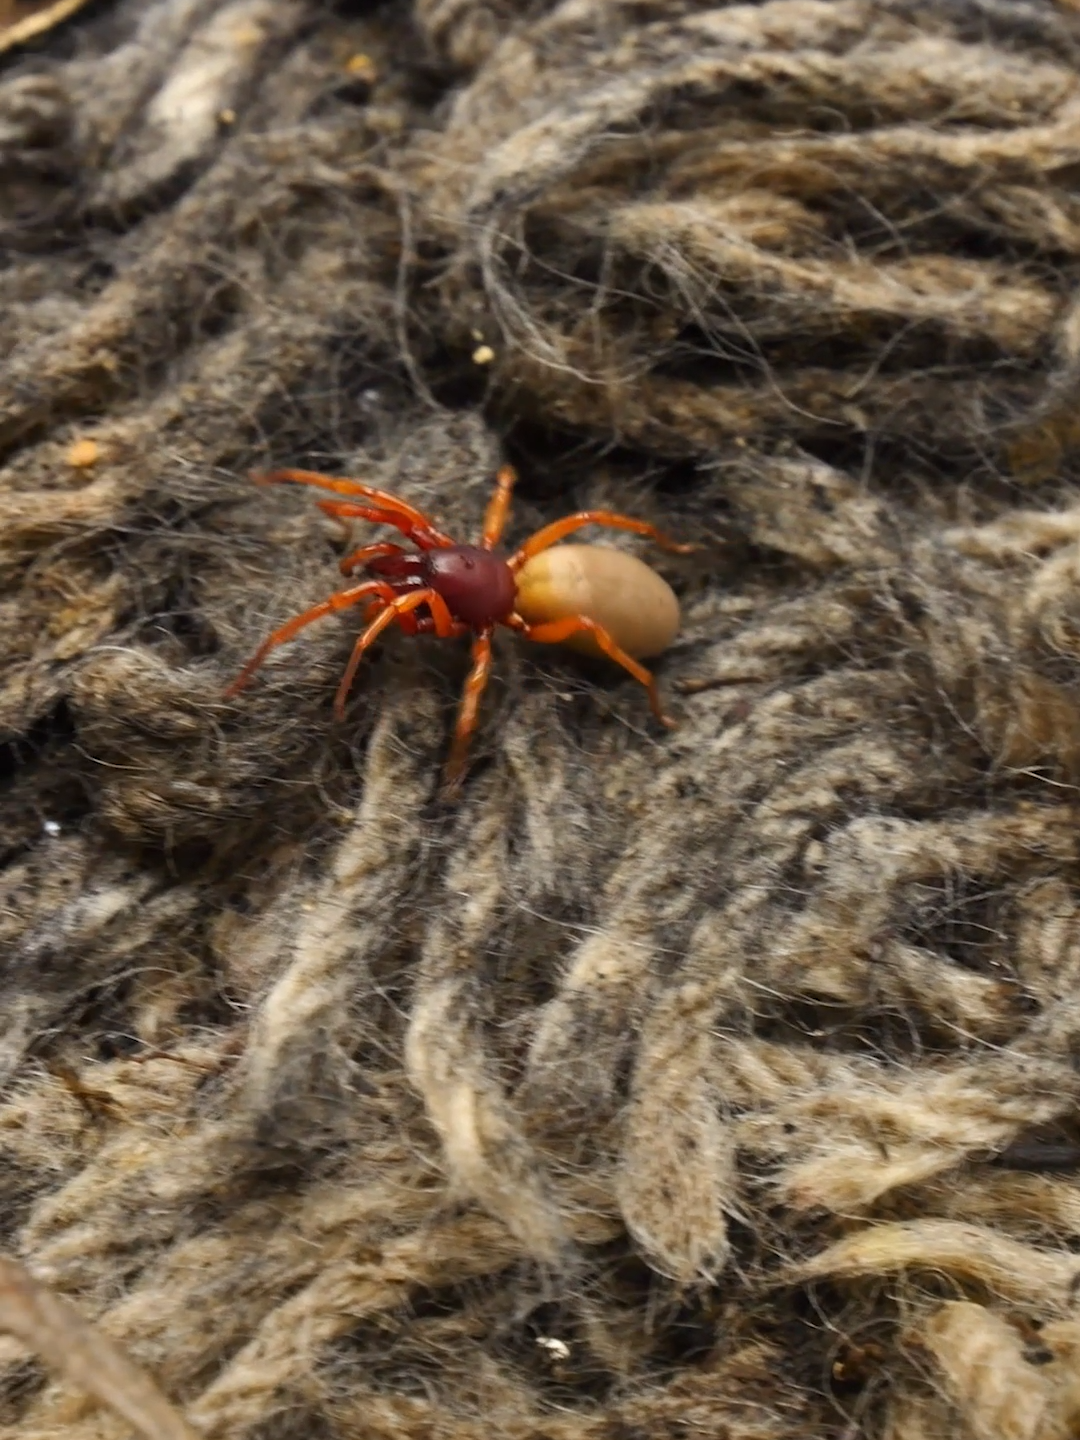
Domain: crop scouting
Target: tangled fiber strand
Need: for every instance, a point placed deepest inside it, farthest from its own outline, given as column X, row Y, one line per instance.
column 752, row 222
column 721, row 1083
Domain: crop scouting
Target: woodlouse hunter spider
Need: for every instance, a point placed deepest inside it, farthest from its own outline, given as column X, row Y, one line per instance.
column 591, row 597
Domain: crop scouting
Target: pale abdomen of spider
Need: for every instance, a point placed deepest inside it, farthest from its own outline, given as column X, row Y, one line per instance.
column 634, row 605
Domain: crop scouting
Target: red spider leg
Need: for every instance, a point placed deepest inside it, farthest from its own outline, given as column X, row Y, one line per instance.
column 424, row 625
column 376, row 607
column 559, row 529
column 498, row 508
column 425, row 539
column 381, row 498
column 412, row 624
column 553, row 632
column 360, row 557
column 341, row 601
column 396, row 608
column 470, row 702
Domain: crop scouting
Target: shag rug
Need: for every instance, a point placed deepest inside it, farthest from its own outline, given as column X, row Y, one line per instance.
column 712, row 1085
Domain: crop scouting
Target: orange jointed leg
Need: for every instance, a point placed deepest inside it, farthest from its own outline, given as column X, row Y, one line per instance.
column 498, row 507
column 346, row 510
column 559, row 529
column 425, row 625
column 553, row 632
column 410, row 623
column 381, row 498
column 398, row 607
column 466, row 721
column 368, row 552
column 341, row 601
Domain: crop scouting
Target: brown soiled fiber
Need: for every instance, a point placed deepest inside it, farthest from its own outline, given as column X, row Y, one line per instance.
column 719, row 1084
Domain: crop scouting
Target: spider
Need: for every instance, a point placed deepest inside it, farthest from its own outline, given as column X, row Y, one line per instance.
column 591, row 597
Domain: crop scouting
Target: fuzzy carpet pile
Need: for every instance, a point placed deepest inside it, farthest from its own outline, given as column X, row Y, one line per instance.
column 712, row 1085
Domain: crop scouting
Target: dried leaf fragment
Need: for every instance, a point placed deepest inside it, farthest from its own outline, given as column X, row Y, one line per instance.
column 24, row 20
column 83, row 1355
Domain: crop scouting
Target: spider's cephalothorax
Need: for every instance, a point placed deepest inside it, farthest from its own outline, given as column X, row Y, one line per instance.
column 477, row 585
column 598, row 599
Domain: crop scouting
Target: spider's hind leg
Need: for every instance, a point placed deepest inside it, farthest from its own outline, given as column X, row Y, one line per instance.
column 554, row 632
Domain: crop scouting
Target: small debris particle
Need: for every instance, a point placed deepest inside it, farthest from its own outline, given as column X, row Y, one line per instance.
column 83, row 454
column 556, row 1349
column 362, row 67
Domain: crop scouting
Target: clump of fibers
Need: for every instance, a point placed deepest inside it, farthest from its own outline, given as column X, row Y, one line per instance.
column 718, row 1083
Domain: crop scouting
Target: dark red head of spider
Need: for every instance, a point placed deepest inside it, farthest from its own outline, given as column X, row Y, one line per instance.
column 449, row 589
column 477, row 585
